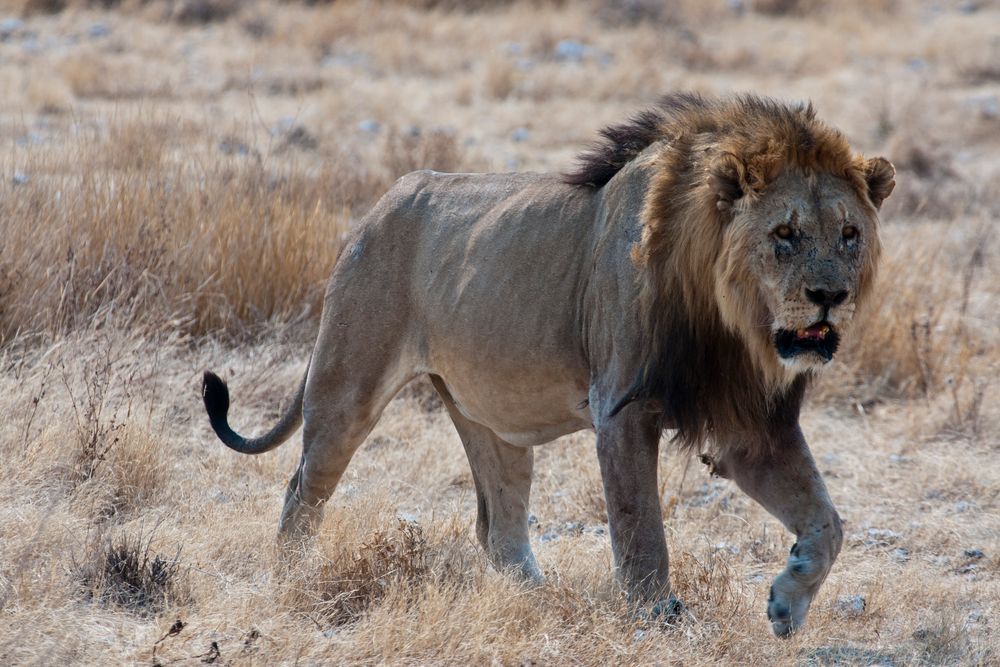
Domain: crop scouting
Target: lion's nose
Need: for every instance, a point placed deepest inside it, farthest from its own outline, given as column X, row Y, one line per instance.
column 826, row 298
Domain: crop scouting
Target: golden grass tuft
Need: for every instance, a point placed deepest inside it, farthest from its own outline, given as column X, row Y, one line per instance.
column 145, row 241
column 924, row 334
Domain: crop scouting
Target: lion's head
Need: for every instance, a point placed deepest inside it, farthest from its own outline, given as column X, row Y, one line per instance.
column 759, row 245
column 797, row 260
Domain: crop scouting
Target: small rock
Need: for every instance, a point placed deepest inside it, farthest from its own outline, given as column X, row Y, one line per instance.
column 849, row 655
column 850, row 606
column 975, row 554
column 570, row 50
column 370, row 126
column 532, row 519
column 283, row 126
column 725, row 546
column 31, row 44
column 962, row 506
column 20, row 178
column 408, row 517
column 10, row 26
column 975, row 616
column 346, row 59
column 899, row 458
column 520, row 134
column 98, row 30
column 900, row 555
column 30, row 139
column 875, row 537
column 549, row 536
column 883, row 534
column 988, row 106
column 231, row 146
column 513, row 48
column 830, row 458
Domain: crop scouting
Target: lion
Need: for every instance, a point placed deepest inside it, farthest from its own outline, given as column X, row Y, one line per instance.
column 704, row 262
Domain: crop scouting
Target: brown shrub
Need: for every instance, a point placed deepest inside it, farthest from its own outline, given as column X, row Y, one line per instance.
column 500, row 78
column 88, row 75
column 347, row 590
column 123, row 572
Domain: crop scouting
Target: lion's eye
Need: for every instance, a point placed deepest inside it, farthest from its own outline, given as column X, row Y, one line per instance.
column 784, row 232
column 849, row 232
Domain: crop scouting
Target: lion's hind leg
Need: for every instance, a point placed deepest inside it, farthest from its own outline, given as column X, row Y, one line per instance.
column 340, row 408
column 502, row 475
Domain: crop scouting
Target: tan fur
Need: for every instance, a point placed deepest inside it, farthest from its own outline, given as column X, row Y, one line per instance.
column 645, row 291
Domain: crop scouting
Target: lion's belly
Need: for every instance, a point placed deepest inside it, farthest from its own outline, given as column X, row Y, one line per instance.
column 525, row 409
column 496, row 272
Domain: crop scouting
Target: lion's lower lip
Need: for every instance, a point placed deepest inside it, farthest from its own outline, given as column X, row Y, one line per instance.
column 818, row 338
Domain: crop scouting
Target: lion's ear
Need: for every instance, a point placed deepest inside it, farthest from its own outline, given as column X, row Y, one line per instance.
column 879, row 175
column 727, row 178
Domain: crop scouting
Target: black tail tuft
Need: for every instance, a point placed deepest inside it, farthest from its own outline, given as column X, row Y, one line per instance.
column 216, row 396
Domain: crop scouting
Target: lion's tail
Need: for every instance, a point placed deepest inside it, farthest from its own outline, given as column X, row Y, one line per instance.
column 216, row 396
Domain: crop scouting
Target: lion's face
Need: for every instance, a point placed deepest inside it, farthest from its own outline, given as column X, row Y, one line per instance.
column 798, row 261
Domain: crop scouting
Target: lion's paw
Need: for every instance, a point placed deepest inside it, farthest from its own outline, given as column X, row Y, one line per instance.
column 788, row 605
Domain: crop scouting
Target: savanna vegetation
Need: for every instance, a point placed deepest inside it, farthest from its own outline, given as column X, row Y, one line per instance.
column 176, row 180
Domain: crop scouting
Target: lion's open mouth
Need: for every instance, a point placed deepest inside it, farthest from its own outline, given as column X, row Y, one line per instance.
column 820, row 338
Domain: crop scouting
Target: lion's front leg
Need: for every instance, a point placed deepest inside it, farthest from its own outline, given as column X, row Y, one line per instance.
column 788, row 485
column 627, row 447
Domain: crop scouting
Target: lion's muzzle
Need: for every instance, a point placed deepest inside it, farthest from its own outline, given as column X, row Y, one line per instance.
column 819, row 338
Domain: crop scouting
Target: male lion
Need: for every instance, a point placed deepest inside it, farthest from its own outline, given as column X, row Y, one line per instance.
column 705, row 260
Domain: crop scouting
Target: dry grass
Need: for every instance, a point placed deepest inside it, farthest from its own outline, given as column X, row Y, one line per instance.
column 173, row 194
column 143, row 239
